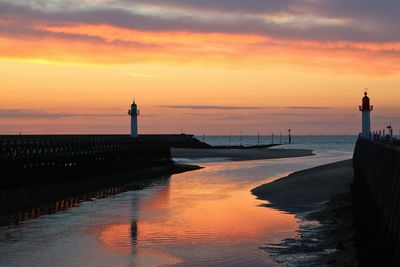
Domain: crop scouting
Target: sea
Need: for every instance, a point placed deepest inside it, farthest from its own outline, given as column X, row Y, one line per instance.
column 206, row 217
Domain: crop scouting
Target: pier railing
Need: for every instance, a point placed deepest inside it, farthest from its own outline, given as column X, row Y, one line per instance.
column 37, row 159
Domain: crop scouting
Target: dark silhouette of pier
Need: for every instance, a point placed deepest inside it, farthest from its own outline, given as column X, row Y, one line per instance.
column 40, row 159
column 376, row 198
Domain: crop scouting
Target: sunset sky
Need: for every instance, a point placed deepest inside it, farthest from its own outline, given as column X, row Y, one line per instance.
column 212, row 67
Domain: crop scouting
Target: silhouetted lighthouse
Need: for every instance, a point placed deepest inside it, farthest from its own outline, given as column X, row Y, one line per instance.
column 134, row 113
column 366, row 109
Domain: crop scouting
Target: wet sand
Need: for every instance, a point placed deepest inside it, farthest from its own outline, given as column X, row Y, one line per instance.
column 304, row 190
column 319, row 194
column 239, row 154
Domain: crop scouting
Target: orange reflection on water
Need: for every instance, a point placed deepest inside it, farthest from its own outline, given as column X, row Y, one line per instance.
column 159, row 200
column 189, row 211
column 121, row 239
column 222, row 221
column 61, row 205
column 117, row 237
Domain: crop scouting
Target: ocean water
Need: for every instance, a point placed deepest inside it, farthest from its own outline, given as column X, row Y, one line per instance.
column 206, row 217
column 325, row 146
column 342, row 142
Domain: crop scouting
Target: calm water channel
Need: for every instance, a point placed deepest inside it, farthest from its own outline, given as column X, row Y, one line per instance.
column 206, row 217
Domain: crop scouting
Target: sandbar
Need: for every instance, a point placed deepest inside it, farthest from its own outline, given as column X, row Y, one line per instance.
column 239, row 154
column 319, row 194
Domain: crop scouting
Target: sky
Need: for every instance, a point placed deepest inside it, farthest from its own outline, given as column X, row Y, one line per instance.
column 202, row 67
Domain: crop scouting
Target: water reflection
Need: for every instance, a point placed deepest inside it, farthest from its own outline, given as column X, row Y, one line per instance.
column 132, row 238
column 202, row 218
column 177, row 220
column 123, row 237
column 65, row 204
column 58, row 206
column 120, row 238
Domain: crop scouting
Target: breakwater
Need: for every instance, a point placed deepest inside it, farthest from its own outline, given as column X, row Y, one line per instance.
column 376, row 198
column 42, row 159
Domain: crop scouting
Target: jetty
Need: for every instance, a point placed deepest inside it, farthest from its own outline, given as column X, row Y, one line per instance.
column 376, row 197
column 41, row 159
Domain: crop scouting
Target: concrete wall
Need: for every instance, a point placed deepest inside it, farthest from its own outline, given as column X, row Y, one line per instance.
column 376, row 198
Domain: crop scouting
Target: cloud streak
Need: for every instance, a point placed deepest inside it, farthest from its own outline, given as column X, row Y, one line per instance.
column 288, row 19
column 129, row 31
column 307, row 108
column 194, row 107
column 45, row 114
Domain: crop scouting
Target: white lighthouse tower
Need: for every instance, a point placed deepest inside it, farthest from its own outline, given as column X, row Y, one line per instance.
column 366, row 109
column 134, row 113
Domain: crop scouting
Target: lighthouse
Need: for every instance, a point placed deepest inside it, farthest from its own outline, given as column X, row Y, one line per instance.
column 366, row 109
column 134, row 113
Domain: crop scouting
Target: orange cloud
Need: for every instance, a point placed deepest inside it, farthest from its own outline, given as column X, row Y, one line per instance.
column 103, row 44
column 111, row 33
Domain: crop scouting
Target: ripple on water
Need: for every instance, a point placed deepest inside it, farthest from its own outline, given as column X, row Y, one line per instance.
column 202, row 218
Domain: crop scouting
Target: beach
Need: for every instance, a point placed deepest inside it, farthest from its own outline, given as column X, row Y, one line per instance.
column 322, row 195
column 304, row 190
column 239, row 154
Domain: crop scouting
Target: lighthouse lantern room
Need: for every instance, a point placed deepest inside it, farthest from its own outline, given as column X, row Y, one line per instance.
column 134, row 113
column 366, row 109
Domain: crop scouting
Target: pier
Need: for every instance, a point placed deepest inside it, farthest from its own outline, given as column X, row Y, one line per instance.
column 41, row 159
column 376, row 194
